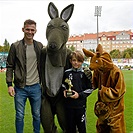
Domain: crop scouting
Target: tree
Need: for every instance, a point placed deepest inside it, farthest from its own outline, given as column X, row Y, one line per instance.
column 72, row 48
column 6, row 46
column 92, row 50
column 115, row 53
column 129, row 51
column 127, row 56
column 1, row 48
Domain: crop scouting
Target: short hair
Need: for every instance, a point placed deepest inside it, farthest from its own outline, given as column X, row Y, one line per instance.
column 78, row 55
column 29, row 21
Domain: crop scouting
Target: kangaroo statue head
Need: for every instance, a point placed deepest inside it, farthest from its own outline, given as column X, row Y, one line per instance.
column 57, row 31
column 100, row 60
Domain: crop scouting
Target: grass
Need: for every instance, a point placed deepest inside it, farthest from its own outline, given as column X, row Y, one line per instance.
column 7, row 112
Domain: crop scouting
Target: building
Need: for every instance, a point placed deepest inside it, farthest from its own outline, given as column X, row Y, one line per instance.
column 109, row 40
column 76, row 41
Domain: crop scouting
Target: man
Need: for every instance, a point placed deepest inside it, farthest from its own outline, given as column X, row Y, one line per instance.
column 23, row 67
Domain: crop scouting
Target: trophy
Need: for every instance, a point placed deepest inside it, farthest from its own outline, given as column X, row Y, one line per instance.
column 69, row 91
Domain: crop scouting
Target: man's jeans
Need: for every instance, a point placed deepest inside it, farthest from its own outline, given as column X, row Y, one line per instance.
column 33, row 93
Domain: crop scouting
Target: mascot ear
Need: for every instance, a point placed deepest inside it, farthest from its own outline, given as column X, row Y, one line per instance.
column 67, row 12
column 88, row 53
column 52, row 11
column 99, row 50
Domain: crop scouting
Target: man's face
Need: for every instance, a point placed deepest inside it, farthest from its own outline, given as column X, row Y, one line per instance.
column 29, row 31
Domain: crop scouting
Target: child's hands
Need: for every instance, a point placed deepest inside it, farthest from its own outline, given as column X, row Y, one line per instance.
column 65, row 93
column 75, row 95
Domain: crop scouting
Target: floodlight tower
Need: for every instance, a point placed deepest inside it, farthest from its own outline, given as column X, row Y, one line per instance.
column 98, row 10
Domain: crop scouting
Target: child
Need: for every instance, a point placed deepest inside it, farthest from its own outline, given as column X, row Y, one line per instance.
column 81, row 88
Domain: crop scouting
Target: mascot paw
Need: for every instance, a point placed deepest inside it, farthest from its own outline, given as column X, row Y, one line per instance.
column 88, row 73
column 101, row 110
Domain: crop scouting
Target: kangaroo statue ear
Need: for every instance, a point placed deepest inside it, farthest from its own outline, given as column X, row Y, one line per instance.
column 52, row 11
column 99, row 50
column 67, row 12
column 88, row 53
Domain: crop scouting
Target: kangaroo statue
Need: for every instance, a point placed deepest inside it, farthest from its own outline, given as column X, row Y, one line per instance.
column 109, row 81
column 54, row 61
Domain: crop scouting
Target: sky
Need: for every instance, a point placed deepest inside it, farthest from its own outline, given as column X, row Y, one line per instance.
column 116, row 15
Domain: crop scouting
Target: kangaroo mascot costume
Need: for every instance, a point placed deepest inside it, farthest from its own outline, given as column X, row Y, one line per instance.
column 54, row 61
column 109, row 80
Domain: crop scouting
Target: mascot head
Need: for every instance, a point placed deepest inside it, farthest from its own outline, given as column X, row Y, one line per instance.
column 100, row 60
column 57, row 31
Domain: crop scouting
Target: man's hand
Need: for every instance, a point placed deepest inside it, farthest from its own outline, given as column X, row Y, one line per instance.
column 11, row 91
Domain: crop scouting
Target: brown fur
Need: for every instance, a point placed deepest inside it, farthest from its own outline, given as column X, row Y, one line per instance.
column 109, row 80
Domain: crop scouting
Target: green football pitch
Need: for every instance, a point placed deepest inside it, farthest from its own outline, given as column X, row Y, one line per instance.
column 7, row 112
